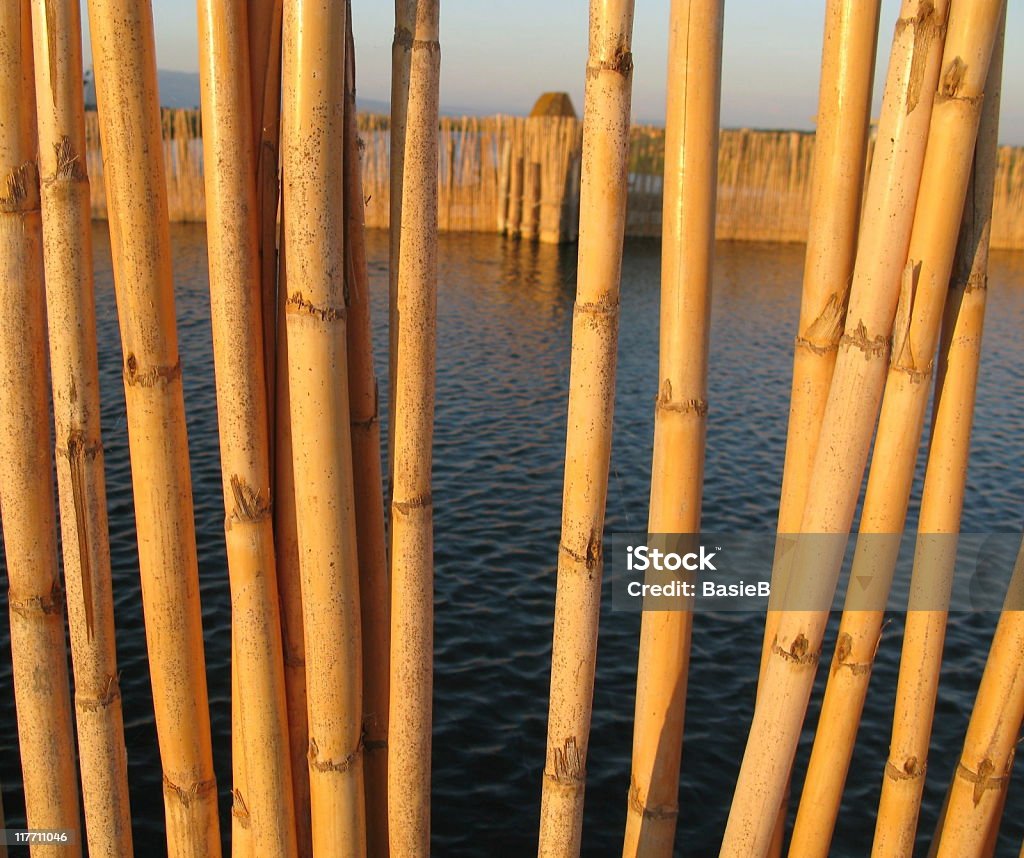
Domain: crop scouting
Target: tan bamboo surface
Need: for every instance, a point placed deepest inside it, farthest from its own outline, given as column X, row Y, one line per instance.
column 289, row 579
column 35, row 598
column 67, row 243
column 411, row 504
column 374, row 591
column 314, row 225
column 680, row 416
column 125, row 71
column 588, row 438
column 891, row 476
column 236, row 297
column 969, row 42
column 241, row 827
column 847, row 424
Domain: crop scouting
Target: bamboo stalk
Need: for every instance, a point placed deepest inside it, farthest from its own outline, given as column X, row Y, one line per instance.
column 236, row 301
column 969, row 45
column 125, row 69
column 241, row 821
column 847, row 424
column 888, row 493
column 366, row 474
column 680, row 417
column 314, row 226
column 412, row 573
column 67, row 242
column 588, row 438
column 35, row 600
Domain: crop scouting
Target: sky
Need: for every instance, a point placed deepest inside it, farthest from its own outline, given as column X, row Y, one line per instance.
column 499, row 55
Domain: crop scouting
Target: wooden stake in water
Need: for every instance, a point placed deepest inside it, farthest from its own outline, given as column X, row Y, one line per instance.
column 35, row 598
column 588, row 440
column 67, row 237
column 680, row 417
column 124, row 60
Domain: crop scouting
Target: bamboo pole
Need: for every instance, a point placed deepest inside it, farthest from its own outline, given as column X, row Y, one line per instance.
column 236, row 299
column 313, row 142
column 67, row 243
column 888, row 493
column 289, row 579
column 981, row 781
column 588, row 438
column 969, row 45
column 125, row 70
column 366, row 474
column 847, row 424
column 35, row 599
column 680, row 416
column 412, row 573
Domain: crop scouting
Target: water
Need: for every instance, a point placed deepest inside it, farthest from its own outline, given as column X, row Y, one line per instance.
column 505, row 313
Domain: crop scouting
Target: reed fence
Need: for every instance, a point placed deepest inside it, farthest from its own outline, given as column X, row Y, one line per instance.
column 521, row 176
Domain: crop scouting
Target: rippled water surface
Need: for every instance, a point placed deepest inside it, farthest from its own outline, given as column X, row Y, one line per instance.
column 503, row 360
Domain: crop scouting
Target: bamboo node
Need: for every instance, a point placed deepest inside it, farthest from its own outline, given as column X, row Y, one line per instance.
column 597, row 308
column 977, row 280
column 403, row 38
column 155, row 375
column 798, row 652
column 660, row 811
column 822, row 335
column 569, row 764
column 70, row 166
column 871, row 346
column 953, row 78
column 591, row 559
column 251, row 505
column 844, row 648
column 927, row 27
column 371, row 745
column 22, row 190
column 912, row 768
column 298, row 304
column 621, row 63
column 423, row 501
column 342, row 765
column 38, row 606
column 982, row 779
column 664, row 402
column 94, row 703
column 431, row 46
column 195, row 791
column 239, row 809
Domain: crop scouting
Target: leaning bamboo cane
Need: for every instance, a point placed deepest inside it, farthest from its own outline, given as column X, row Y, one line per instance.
column 313, row 141
column 35, row 600
column 888, row 492
column 680, row 417
column 588, row 438
column 125, row 69
column 969, row 45
column 366, row 475
column 847, row 426
column 412, row 566
column 981, row 781
column 67, row 237
column 236, row 317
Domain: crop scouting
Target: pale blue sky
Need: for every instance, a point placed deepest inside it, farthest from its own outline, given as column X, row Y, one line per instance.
column 498, row 55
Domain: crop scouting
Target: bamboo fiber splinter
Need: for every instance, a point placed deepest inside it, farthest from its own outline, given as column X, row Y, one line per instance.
column 680, row 417
column 67, row 236
column 846, row 430
column 35, row 599
column 314, row 225
column 125, row 67
column 236, row 313
column 588, row 439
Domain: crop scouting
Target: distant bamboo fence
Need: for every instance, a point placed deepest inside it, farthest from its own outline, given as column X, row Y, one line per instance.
column 521, row 176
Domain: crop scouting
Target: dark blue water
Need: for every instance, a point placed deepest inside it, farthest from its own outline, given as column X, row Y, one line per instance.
column 505, row 313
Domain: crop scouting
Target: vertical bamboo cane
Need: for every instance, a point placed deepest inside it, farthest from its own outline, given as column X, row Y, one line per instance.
column 888, row 493
column 67, row 237
column 313, row 142
column 606, row 114
column 125, row 68
column 366, row 475
column 966, row 59
column 35, row 600
column 236, row 314
column 412, row 562
column 847, row 424
column 677, row 473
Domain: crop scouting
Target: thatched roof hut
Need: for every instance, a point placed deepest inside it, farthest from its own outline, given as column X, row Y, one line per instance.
column 554, row 104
